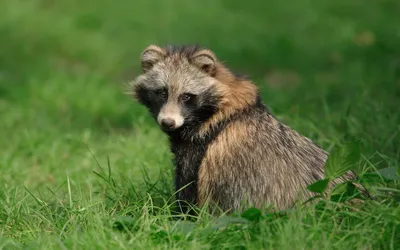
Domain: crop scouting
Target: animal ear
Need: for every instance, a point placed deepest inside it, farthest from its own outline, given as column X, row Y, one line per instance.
column 150, row 56
column 205, row 60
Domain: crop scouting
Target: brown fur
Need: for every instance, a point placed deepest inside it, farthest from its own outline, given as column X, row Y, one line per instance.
column 237, row 94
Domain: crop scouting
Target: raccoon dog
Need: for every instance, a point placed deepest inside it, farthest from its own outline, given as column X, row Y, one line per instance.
column 229, row 150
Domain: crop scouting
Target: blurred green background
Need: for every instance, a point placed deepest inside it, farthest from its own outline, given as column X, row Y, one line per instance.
column 329, row 69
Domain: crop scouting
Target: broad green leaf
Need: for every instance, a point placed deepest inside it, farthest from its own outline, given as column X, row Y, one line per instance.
column 351, row 189
column 389, row 173
column 342, row 159
column 319, row 186
column 252, row 214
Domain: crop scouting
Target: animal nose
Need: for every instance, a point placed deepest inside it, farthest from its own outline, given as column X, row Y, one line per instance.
column 168, row 123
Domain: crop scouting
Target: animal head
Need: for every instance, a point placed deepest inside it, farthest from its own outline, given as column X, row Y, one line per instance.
column 186, row 86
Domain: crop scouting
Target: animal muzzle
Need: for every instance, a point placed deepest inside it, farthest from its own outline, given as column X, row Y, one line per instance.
column 170, row 121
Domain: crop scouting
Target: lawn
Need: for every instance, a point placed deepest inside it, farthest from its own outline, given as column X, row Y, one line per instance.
column 85, row 167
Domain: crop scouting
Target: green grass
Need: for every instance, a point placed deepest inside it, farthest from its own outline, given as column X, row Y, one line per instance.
column 329, row 69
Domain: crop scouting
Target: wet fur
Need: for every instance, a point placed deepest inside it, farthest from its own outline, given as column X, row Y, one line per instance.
column 231, row 150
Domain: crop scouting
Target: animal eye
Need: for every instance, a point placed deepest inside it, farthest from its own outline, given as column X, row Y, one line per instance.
column 161, row 92
column 186, row 97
